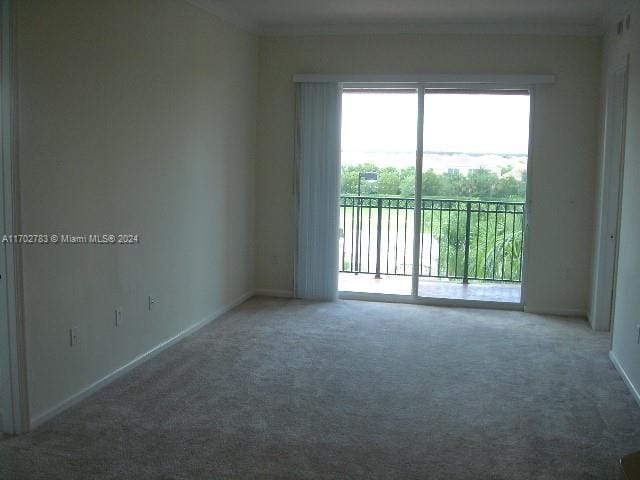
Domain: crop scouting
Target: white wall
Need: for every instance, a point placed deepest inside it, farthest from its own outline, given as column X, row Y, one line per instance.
column 140, row 117
column 625, row 348
column 134, row 117
column 565, row 148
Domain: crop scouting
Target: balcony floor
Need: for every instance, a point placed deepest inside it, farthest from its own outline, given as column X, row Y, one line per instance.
column 430, row 288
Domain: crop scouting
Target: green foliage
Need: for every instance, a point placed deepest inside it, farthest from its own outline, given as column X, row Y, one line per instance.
column 495, row 241
column 407, row 182
column 480, row 184
column 388, row 182
column 349, row 180
column 495, row 238
column 495, row 229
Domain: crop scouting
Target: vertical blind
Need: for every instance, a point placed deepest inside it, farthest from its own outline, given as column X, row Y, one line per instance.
column 317, row 154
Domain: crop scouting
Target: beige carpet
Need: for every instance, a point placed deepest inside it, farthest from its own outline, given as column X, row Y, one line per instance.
column 292, row 389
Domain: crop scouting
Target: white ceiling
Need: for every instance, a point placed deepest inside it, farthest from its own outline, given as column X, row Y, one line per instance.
column 280, row 16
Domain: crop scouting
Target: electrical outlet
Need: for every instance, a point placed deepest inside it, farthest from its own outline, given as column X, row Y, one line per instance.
column 74, row 335
column 118, row 317
column 152, row 302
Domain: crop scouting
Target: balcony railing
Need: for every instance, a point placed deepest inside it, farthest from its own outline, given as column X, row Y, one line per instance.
column 459, row 239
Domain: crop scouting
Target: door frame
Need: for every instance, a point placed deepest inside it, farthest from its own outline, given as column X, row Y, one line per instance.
column 611, row 181
column 467, row 83
column 528, row 205
column 15, row 411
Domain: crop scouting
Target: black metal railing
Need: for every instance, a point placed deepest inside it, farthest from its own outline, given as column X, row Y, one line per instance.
column 459, row 239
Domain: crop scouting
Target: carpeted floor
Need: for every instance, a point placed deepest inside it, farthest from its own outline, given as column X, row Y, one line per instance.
column 293, row 389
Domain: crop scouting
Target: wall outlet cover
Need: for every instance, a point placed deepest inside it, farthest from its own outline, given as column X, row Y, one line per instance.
column 74, row 335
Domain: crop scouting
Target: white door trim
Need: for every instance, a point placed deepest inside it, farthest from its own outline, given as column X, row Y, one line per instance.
column 15, row 412
column 528, row 206
column 417, row 210
column 610, row 193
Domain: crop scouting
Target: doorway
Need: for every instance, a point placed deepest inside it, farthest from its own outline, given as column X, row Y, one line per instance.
column 14, row 416
column 433, row 192
column 610, row 199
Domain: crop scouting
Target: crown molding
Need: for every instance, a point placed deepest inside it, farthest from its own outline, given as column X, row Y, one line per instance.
column 245, row 22
column 434, row 28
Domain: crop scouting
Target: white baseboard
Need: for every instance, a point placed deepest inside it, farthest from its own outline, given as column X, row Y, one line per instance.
column 598, row 327
column 632, row 388
column 563, row 312
column 107, row 379
column 265, row 292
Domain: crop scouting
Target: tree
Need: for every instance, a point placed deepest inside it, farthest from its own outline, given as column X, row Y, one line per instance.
column 522, row 186
column 408, row 186
column 454, row 185
column 388, row 181
column 507, row 188
column 432, row 184
column 505, row 170
column 479, row 184
column 349, row 179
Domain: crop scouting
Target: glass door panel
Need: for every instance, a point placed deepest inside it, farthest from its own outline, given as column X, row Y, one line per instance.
column 377, row 190
column 474, row 174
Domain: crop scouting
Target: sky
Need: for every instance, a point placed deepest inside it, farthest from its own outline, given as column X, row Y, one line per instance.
column 470, row 123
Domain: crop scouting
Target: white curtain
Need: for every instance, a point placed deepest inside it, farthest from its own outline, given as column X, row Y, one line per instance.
column 318, row 112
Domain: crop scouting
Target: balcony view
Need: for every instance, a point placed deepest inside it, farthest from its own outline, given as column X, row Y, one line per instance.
column 468, row 241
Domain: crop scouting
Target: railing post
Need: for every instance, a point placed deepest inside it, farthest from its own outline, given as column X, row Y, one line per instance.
column 378, row 238
column 467, row 237
column 356, row 267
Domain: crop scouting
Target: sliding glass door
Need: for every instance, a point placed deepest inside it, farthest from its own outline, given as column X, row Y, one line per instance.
column 433, row 192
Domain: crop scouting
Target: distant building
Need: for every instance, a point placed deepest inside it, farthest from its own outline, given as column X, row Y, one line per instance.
column 513, row 165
